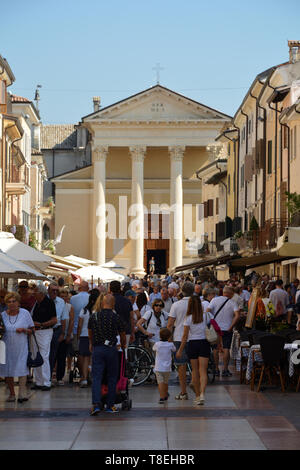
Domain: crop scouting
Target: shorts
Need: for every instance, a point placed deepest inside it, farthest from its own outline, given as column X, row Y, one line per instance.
column 198, row 348
column 184, row 357
column 84, row 346
column 226, row 340
column 162, row 377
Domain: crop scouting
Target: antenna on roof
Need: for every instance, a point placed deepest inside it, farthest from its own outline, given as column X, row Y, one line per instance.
column 37, row 96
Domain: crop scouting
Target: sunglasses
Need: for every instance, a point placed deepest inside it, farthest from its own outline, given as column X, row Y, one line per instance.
column 158, row 305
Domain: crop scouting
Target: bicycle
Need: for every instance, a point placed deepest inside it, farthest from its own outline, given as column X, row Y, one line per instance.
column 140, row 363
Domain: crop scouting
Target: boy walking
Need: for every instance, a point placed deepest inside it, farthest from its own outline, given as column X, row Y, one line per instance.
column 163, row 363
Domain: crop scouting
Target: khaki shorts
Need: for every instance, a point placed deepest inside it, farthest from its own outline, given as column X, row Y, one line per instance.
column 162, row 377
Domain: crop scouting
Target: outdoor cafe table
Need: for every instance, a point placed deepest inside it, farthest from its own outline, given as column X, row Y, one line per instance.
column 291, row 347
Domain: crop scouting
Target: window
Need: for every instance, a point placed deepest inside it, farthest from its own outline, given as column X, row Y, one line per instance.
column 228, row 149
column 269, row 156
column 210, row 203
column 217, row 206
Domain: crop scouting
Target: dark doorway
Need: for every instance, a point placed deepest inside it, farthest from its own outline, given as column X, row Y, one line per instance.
column 160, row 258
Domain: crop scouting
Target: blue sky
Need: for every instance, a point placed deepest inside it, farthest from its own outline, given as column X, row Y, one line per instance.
column 211, row 51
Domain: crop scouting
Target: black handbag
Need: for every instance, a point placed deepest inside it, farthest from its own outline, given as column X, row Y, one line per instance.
column 38, row 361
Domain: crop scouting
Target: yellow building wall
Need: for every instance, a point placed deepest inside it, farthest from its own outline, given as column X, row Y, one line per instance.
column 73, row 211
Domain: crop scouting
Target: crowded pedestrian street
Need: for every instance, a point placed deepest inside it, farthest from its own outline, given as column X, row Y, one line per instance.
column 234, row 417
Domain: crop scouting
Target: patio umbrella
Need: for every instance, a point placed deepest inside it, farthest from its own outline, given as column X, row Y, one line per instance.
column 112, row 265
column 12, row 268
column 92, row 273
column 22, row 252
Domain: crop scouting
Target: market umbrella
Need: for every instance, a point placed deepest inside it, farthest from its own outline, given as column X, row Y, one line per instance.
column 22, row 252
column 92, row 273
column 112, row 265
column 12, row 268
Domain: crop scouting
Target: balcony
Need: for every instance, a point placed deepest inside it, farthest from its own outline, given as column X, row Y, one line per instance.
column 264, row 238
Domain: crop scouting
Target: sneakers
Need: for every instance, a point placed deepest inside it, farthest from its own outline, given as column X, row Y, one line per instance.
column 83, row 384
column 182, row 396
column 199, row 400
column 113, row 409
column 163, row 400
column 226, row 373
column 95, row 410
column 60, row 382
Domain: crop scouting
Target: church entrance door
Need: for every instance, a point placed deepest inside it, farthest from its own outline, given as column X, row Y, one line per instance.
column 156, row 245
column 160, row 258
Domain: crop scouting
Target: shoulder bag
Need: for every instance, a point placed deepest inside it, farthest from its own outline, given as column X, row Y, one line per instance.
column 210, row 332
column 38, row 361
column 2, row 327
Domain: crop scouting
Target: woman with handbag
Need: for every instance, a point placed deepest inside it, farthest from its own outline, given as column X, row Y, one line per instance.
column 18, row 325
column 198, row 347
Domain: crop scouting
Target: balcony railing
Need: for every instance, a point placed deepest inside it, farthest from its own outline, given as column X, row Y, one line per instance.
column 266, row 238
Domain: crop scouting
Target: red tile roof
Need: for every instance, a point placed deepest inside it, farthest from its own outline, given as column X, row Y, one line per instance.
column 19, row 99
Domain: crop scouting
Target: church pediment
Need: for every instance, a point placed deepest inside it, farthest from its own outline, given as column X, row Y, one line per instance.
column 156, row 104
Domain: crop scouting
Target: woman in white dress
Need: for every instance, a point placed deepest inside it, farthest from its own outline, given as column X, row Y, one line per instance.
column 18, row 325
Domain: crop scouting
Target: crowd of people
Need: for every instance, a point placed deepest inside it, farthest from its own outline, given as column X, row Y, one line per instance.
column 171, row 312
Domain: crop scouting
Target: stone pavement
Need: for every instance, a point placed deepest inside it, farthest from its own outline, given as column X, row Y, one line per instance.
column 232, row 418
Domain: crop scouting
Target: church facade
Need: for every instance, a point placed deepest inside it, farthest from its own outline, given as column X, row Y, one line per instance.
column 140, row 197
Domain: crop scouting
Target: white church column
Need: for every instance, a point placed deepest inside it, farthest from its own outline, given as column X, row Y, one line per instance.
column 137, row 209
column 99, row 154
column 176, row 203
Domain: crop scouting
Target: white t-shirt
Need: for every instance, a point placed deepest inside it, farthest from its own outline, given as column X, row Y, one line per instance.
column 85, row 316
column 205, row 304
column 152, row 326
column 226, row 314
column 178, row 311
column 245, row 295
column 163, row 357
column 238, row 300
column 197, row 330
column 281, row 295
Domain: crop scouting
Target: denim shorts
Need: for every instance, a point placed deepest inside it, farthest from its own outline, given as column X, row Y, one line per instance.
column 184, row 357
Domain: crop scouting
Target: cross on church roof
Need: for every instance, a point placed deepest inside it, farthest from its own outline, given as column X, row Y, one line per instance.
column 157, row 69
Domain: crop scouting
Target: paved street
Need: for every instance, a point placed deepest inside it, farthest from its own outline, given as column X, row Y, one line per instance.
column 233, row 417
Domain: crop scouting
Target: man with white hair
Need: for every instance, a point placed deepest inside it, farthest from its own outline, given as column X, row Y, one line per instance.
column 44, row 318
column 226, row 313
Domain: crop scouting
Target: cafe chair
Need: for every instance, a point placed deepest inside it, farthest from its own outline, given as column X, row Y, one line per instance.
column 273, row 356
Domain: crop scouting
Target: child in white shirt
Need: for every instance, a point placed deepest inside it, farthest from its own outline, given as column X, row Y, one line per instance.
column 163, row 362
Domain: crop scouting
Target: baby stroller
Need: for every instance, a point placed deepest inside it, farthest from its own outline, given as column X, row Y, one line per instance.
column 122, row 395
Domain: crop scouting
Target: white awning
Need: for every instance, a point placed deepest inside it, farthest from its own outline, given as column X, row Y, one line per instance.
column 22, row 252
column 12, row 268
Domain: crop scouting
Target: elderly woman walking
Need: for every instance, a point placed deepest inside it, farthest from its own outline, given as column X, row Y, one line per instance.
column 18, row 325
